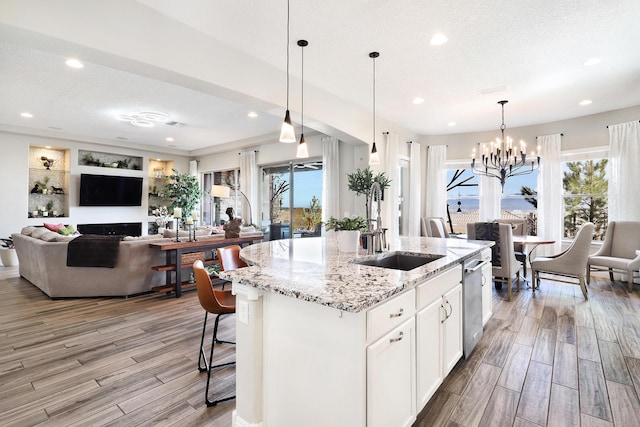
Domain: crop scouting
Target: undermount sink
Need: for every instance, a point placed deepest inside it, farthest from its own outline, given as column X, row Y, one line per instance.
column 401, row 260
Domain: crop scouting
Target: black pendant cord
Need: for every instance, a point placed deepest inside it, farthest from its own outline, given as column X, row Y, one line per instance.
column 287, row 55
column 302, row 45
column 374, row 100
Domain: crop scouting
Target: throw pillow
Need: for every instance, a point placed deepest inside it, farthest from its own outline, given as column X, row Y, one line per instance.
column 67, row 231
column 38, row 232
column 49, row 236
column 53, row 227
column 28, row 230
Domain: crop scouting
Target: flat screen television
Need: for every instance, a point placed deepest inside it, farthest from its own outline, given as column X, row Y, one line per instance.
column 109, row 190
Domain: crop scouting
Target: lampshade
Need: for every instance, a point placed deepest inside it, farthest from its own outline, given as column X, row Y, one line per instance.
column 303, row 151
column 221, row 191
column 287, row 133
column 374, row 158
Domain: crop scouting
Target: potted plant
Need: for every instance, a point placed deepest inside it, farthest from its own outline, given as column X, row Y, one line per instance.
column 8, row 253
column 183, row 191
column 347, row 232
column 361, row 181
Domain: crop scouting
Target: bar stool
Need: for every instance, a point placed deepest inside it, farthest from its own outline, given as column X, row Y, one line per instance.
column 220, row 303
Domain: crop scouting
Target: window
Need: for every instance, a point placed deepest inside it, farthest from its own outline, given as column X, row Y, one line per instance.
column 213, row 208
column 519, row 199
column 291, row 194
column 585, row 184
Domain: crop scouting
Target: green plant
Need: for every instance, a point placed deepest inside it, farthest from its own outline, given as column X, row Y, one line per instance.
column 361, row 181
column 183, row 191
column 7, row 243
column 346, row 223
column 313, row 214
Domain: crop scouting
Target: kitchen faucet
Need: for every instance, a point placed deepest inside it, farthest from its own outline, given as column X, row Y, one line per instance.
column 377, row 242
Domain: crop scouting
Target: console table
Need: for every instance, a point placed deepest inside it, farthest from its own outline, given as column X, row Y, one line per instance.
column 180, row 255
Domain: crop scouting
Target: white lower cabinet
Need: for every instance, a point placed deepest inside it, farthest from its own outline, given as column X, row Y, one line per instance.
column 438, row 331
column 391, row 378
column 487, row 293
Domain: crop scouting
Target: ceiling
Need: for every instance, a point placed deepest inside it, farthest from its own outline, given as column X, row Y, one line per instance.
column 531, row 53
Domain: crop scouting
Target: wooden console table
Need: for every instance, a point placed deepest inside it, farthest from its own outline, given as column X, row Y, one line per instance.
column 185, row 252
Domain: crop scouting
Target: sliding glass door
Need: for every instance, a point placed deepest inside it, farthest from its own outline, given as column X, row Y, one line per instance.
column 291, row 199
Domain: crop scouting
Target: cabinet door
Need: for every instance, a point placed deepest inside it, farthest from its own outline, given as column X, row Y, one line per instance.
column 487, row 294
column 429, row 350
column 452, row 334
column 391, row 377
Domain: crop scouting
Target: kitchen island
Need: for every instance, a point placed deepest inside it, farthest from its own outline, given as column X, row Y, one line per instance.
column 325, row 341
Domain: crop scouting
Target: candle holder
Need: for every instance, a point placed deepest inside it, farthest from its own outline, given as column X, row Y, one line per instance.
column 177, row 229
column 189, row 226
column 194, row 233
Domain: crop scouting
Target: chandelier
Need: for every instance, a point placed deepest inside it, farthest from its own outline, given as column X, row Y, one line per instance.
column 500, row 159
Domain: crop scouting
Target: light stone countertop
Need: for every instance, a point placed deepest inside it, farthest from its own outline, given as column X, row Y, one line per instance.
column 313, row 270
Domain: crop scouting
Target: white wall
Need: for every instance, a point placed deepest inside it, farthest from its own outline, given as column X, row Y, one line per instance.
column 579, row 133
column 14, row 176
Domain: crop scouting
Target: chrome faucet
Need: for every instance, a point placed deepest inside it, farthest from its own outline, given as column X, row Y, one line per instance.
column 377, row 241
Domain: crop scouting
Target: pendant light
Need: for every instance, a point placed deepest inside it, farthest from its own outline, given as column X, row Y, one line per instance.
column 303, row 151
column 374, row 158
column 286, row 132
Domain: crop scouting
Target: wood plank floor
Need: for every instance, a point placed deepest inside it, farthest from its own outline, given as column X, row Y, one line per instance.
column 552, row 359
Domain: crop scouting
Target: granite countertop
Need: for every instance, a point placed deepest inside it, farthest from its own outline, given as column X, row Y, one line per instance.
column 313, row 270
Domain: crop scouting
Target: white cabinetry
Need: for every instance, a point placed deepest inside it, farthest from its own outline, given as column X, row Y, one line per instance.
column 487, row 293
column 391, row 378
column 438, row 331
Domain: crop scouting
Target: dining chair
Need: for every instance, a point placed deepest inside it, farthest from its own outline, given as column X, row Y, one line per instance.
column 619, row 251
column 518, row 228
column 503, row 260
column 220, row 303
column 571, row 262
column 433, row 227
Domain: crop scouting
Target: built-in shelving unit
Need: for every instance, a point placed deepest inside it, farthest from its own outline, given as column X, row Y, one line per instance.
column 108, row 160
column 48, row 182
column 158, row 171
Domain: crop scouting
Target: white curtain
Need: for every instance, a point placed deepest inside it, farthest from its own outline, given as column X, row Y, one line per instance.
column 550, row 203
column 624, row 174
column 249, row 184
column 390, row 213
column 415, row 171
column 435, row 191
column 490, row 194
column 193, row 167
column 330, row 178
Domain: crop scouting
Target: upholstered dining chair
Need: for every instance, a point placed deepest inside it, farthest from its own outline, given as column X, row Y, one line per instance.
column 220, row 303
column 619, row 251
column 518, row 228
column 503, row 260
column 572, row 262
column 433, row 227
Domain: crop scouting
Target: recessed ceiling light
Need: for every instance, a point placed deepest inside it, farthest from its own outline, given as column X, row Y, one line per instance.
column 418, row 100
column 47, row 147
column 591, row 61
column 169, row 139
column 158, row 160
column 585, row 102
column 74, row 63
column 438, row 39
column 451, row 124
column 252, row 114
column 26, row 115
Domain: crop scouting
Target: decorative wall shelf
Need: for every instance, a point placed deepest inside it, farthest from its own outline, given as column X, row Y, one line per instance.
column 48, row 182
column 108, row 160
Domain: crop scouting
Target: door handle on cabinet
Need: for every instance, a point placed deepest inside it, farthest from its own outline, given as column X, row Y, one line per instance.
column 392, row 340
column 398, row 314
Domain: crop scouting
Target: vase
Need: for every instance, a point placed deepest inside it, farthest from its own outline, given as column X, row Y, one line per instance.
column 9, row 257
column 348, row 240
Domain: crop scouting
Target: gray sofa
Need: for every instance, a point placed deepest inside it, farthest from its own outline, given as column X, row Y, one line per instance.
column 42, row 256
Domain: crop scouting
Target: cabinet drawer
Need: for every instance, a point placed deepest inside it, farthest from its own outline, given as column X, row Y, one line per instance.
column 436, row 286
column 390, row 314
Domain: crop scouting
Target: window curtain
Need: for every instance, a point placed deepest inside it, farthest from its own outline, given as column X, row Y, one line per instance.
column 550, row 203
column 490, row 194
column 415, row 171
column 624, row 174
column 193, row 167
column 435, row 191
column 330, row 178
column 392, row 193
column 249, row 183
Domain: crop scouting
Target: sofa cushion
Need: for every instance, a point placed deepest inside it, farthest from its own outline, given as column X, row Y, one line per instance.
column 147, row 237
column 28, row 230
column 49, row 236
column 61, row 238
column 53, row 227
column 38, row 232
column 199, row 233
column 67, row 231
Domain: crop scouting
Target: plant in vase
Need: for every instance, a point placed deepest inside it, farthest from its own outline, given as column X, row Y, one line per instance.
column 8, row 254
column 347, row 232
column 361, row 181
column 183, row 190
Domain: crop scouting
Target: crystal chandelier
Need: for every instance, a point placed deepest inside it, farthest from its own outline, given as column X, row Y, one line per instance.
column 500, row 159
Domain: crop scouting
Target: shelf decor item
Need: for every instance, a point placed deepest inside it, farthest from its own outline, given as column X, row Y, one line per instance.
column 8, row 254
column 347, row 232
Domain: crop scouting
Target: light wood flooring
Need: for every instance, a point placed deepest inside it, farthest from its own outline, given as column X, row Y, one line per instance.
column 552, row 359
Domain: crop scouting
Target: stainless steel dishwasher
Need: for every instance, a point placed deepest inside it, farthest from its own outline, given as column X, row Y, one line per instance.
column 472, row 303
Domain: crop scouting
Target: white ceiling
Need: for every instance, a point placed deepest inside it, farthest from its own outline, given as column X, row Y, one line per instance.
column 531, row 53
